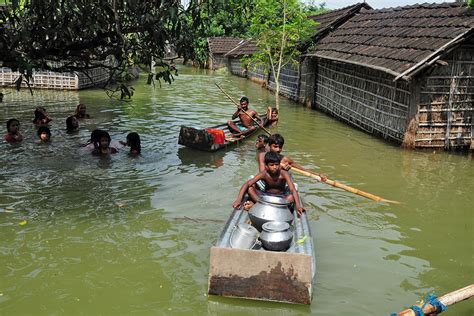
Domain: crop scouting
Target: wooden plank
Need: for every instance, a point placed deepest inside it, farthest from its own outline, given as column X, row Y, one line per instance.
column 260, row 275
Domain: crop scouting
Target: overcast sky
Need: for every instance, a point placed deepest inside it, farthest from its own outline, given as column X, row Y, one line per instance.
column 376, row 4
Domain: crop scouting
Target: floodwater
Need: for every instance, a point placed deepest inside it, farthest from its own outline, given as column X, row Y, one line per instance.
column 85, row 235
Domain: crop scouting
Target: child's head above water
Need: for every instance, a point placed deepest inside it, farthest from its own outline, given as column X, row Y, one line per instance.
column 104, row 139
column 272, row 157
column 276, row 142
column 72, row 123
column 13, row 125
column 262, row 141
column 44, row 133
column 133, row 140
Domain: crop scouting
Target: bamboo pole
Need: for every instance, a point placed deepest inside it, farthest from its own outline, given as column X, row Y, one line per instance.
column 447, row 299
column 238, row 106
column 344, row 187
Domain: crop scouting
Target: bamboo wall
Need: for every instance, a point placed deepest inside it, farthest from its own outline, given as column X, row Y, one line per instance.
column 307, row 81
column 236, row 68
column 217, row 61
column 289, row 81
column 257, row 74
column 365, row 98
column 446, row 103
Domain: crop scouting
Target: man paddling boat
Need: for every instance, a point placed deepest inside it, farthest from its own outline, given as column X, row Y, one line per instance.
column 246, row 124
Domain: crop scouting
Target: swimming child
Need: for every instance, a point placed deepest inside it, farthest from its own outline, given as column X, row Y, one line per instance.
column 133, row 140
column 80, row 112
column 277, row 182
column 104, row 148
column 72, row 124
column 41, row 116
column 261, row 143
column 13, row 134
column 272, row 116
column 44, row 134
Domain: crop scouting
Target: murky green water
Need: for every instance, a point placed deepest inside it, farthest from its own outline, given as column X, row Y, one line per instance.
column 132, row 236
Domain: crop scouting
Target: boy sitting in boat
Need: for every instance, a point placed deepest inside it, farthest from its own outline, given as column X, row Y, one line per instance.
column 277, row 182
column 275, row 144
column 246, row 124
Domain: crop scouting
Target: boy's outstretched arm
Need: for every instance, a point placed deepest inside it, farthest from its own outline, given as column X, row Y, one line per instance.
column 244, row 189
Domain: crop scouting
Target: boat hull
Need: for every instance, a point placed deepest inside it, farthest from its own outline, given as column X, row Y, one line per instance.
column 263, row 275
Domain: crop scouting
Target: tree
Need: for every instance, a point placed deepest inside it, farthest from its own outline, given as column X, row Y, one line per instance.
column 78, row 35
column 278, row 28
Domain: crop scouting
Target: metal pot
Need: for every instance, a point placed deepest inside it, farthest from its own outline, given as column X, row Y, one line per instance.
column 276, row 236
column 270, row 208
column 244, row 236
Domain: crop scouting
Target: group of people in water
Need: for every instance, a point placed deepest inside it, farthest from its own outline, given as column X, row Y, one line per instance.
column 99, row 142
column 273, row 177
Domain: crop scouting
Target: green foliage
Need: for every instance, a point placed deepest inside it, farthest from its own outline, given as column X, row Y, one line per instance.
column 470, row 3
column 73, row 35
column 278, row 27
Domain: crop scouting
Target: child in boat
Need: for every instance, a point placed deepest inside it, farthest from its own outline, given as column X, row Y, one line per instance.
column 104, row 148
column 41, row 117
column 13, row 134
column 72, row 124
column 277, row 182
column 246, row 124
column 272, row 116
column 133, row 140
column 80, row 112
column 275, row 144
column 44, row 134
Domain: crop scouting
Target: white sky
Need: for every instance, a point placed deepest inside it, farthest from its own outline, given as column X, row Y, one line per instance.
column 376, row 4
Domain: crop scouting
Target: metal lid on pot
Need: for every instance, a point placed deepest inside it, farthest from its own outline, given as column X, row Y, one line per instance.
column 247, row 229
column 275, row 226
column 274, row 199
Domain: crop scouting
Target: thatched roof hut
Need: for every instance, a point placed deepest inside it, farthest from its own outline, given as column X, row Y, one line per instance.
column 404, row 73
column 218, row 46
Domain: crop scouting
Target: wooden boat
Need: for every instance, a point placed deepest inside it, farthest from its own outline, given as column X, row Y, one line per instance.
column 260, row 274
column 205, row 139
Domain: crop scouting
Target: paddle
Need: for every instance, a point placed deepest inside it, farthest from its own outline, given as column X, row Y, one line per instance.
column 312, row 175
column 343, row 186
column 447, row 299
column 238, row 106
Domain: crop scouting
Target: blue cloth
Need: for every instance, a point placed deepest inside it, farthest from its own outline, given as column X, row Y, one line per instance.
column 241, row 127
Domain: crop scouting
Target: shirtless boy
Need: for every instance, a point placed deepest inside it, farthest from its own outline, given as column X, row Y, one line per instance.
column 277, row 182
column 13, row 131
column 246, row 123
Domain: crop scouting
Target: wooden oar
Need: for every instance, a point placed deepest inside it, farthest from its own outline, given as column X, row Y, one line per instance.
column 343, row 186
column 447, row 299
column 238, row 106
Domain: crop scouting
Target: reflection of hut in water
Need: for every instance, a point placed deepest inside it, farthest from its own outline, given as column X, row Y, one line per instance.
column 218, row 46
column 402, row 73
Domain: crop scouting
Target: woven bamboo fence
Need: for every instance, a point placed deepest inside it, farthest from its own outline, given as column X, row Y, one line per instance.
column 364, row 98
column 289, row 81
column 445, row 118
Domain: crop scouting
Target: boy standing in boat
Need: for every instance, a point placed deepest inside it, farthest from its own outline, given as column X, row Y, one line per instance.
column 246, row 124
column 277, row 182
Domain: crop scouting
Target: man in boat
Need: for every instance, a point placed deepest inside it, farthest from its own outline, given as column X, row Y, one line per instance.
column 246, row 124
column 275, row 144
column 277, row 182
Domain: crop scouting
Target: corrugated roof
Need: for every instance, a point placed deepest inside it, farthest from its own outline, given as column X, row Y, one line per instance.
column 247, row 47
column 223, row 44
column 398, row 40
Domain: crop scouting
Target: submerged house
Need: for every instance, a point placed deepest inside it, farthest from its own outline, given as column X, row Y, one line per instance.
column 403, row 73
column 218, row 47
column 237, row 66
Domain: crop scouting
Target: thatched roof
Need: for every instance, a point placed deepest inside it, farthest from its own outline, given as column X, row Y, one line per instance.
column 223, row 44
column 332, row 19
column 247, row 47
column 401, row 41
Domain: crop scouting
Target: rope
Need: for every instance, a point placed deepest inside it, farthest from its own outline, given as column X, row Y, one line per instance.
column 431, row 299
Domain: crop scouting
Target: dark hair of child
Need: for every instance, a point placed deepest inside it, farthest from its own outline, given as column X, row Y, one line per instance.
column 44, row 129
column 95, row 137
column 275, row 110
column 276, row 139
column 272, row 157
column 263, row 137
column 244, row 99
column 10, row 121
column 39, row 114
column 69, row 124
column 133, row 140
